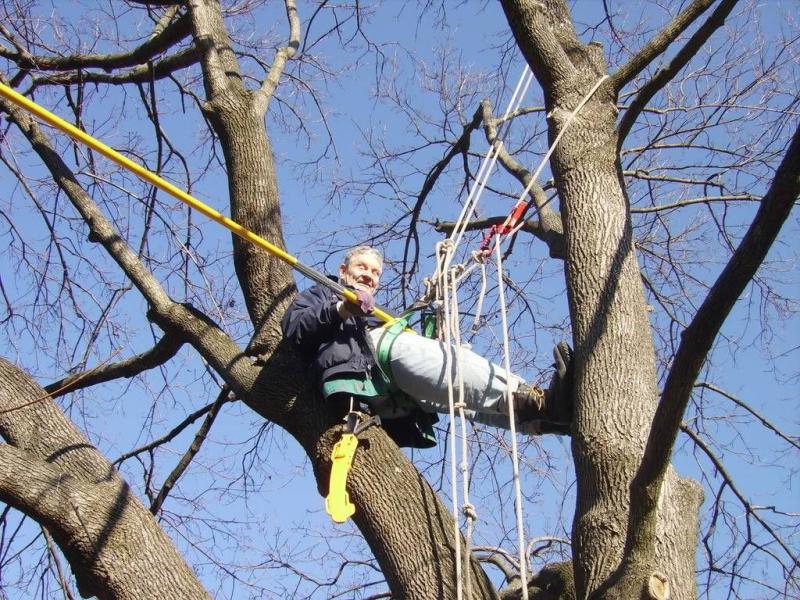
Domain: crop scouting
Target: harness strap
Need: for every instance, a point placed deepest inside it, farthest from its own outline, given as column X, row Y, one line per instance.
column 383, row 353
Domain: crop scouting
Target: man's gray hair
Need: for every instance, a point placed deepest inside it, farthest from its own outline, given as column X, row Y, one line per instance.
column 362, row 250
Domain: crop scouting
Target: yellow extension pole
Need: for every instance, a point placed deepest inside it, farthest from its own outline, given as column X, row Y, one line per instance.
column 150, row 177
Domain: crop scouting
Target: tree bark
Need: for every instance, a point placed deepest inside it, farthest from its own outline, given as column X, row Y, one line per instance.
column 406, row 525
column 52, row 473
column 615, row 375
column 408, row 528
column 239, row 121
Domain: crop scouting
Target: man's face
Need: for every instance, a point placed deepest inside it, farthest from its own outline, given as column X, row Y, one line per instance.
column 363, row 272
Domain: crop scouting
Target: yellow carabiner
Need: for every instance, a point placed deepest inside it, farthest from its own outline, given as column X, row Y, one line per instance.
column 338, row 504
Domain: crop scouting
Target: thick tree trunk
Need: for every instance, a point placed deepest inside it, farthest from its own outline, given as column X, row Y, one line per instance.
column 615, row 377
column 52, row 473
column 405, row 524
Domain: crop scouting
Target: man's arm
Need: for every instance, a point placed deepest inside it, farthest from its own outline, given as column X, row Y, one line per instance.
column 311, row 320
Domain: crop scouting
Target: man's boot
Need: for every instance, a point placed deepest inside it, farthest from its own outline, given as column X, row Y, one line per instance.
column 552, row 408
column 529, row 401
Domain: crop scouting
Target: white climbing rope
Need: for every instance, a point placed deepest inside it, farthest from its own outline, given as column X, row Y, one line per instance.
column 512, row 425
column 550, row 151
column 443, row 313
column 476, row 322
column 487, row 165
column 448, row 279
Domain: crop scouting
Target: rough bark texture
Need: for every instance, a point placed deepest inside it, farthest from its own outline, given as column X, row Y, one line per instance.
column 406, row 525
column 409, row 529
column 697, row 338
column 51, row 472
column 404, row 522
column 615, row 377
column 238, row 120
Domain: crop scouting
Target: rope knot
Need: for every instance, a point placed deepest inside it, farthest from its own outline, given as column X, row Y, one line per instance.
column 446, row 245
column 469, row 512
column 479, row 257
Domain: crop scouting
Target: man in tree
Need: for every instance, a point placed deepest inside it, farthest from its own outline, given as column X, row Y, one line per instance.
column 338, row 339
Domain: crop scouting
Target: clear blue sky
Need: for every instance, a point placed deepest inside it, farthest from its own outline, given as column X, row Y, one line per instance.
column 273, row 492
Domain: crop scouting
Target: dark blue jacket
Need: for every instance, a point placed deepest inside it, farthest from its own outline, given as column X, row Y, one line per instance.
column 328, row 344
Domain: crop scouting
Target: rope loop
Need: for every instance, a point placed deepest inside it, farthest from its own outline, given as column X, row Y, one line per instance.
column 456, row 270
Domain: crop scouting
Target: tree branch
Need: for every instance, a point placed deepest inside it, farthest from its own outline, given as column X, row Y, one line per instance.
column 551, row 229
column 51, row 472
column 101, row 230
column 191, row 452
column 161, row 41
column 282, row 56
column 658, row 44
column 700, row 200
column 184, row 322
column 728, row 479
column 532, row 226
column 165, row 349
column 142, row 74
column 764, row 421
column 665, row 75
column 459, row 148
column 171, row 435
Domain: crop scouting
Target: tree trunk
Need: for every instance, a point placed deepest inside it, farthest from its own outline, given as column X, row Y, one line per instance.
column 406, row 525
column 238, row 118
column 52, row 473
column 615, row 376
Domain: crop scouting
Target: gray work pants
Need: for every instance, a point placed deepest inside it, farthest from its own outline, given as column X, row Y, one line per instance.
column 419, row 368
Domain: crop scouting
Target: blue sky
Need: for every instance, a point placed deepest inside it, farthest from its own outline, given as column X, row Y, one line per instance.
column 272, row 492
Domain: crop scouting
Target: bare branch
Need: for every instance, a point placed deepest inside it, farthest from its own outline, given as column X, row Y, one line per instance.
column 550, row 227
column 282, row 56
column 169, row 436
column 161, row 41
column 191, row 452
column 532, row 226
column 748, row 507
column 696, row 341
column 100, row 228
column 658, row 44
column 691, row 201
column 160, row 69
column 459, row 147
column 664, row 75
column 62, row 578
column 764, row 421
column 165, row 349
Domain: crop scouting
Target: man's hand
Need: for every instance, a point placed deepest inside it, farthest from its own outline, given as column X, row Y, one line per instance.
column 365, row 305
